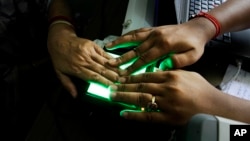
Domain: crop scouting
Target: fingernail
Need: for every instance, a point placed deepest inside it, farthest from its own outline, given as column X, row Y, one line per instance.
column 112, row 61
column 122, row 80
column 112, row 95
column 74, row 94
column 113, row 88
column 122, row 72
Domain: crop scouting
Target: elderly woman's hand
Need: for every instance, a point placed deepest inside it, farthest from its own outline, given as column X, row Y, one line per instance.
column 82, row 58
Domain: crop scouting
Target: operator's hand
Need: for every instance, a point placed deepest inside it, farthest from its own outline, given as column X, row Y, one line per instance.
column 185, row 41
column 176, row 97
column 82, row 58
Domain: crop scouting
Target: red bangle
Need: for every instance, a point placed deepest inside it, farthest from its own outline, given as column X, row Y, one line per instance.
column 56, row 18
column 210, row 18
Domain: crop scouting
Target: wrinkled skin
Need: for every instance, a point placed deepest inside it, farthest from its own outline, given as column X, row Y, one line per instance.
column 79, row 57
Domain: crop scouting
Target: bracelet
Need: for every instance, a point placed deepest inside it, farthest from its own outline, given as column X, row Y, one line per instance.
column 210, row 18
column 61, row 22
column 61, row 19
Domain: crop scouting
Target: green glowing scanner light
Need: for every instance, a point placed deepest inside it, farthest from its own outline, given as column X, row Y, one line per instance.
column 167, row 63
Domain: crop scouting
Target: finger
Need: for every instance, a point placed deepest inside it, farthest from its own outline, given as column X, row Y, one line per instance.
column 137, row 87
column 134, row 98
column 91, row 76
column 153, row 117
column 122, row 59
column 144, row 29
column 102, row 53
column 130, row 55
column 67, row 83
column 148, row 77
column 150, row 117
column 102, row 58
column 135, row 35
column 109, row 56
column 103, row 71
column 98, row 64
column 145, row 58
column 141, row 94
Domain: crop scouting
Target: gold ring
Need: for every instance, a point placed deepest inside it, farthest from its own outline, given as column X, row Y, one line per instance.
column 152, row 106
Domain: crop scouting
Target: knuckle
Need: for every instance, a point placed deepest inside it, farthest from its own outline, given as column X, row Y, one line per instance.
column 122, row 87
column 141, row 29
column 116, row 78
column 141, row 100
column 145, row 76
column 109, row 83
column 169, row 74
column 103, row 71
column 120, row 96
column 136, row 51
column 134, row 35
column 144, row 29
column 120, row 59
column 140, row 87
column 193, row 57
column 129, row 79
column 75, row 70
column 158, row 32
column 95, row 77
column 143, row 57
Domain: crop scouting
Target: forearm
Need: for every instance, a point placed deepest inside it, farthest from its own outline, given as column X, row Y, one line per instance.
column 233, row 15
column 60, row 15
column 230, row 107
column 59, row 8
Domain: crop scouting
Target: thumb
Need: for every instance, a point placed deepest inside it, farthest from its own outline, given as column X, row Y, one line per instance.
column 184, row 59
column 68, row 84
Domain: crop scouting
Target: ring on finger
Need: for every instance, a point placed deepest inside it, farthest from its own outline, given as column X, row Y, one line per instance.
column 152, row 105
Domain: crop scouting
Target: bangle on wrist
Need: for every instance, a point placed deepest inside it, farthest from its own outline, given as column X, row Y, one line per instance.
column 211, row 19
column 61, row 20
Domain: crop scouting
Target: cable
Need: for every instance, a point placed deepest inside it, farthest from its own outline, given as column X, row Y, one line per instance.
column 239, row 65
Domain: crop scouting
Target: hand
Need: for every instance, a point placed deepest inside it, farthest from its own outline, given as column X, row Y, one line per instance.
column 185, row 41
column 179, row 94
column 78, row 57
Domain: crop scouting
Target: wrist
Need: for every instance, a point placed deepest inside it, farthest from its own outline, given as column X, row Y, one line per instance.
column 61, row 20
column 61, row 31
column 216, row 27
column 201, row 29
